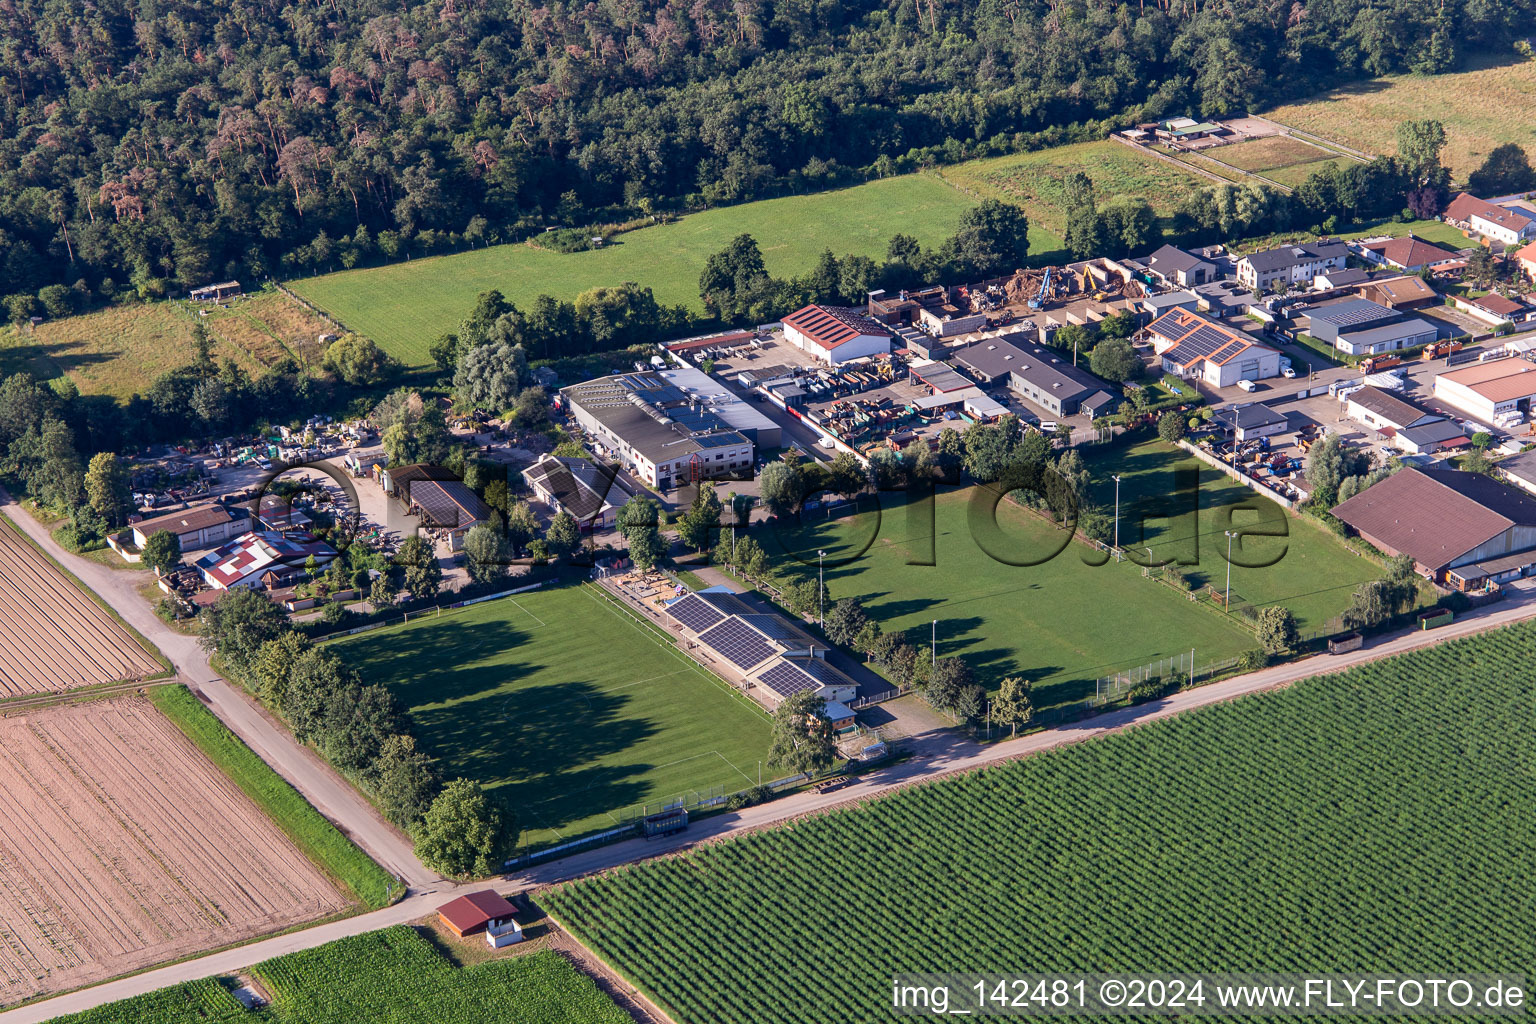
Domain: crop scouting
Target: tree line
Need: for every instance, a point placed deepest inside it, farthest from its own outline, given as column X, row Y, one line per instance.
column 149, row 149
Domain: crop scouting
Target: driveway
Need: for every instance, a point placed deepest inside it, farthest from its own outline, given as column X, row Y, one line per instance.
column 332, row 795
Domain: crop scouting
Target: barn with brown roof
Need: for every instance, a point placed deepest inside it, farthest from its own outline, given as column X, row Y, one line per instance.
column 1459, row 528
column 478, row 912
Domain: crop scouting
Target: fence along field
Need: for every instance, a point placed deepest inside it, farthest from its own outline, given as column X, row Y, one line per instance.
column 52, row 636
column 394, row 976
column 1373, row 820
column 123, row 847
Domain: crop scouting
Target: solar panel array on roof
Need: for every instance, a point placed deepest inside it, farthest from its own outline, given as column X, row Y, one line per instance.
column 693, row 613
column 717, row 440
column 724, row 602
column 823, row 672
column 786, row 679
column 1350, row 312
column 737, row 643
column 1169, row 325
column 1204, row 341
column 775, row 628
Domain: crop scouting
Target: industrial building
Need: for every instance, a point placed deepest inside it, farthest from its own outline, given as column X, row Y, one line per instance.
column 246, row 559
column 1362, row 327
column 736, row 412
column 835, row 335
column 1251, row 421
column 1461, row 529
column 200, row 526
column 1191, row 346
column 659, row 432
column 592, row 494
column 1485, row 391
column 1046, row 378
column 1403, row 424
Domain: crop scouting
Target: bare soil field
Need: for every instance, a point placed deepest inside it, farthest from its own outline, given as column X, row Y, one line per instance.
column 122, row 846
column 52, row 636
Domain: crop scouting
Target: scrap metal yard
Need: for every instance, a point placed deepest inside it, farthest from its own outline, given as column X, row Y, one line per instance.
column 122, row 847
column 52, row 636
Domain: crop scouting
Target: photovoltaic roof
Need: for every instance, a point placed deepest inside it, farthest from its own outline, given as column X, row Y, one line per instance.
column 786, row 679
column 738, row 643
column 694, row 613
column 1353, row 311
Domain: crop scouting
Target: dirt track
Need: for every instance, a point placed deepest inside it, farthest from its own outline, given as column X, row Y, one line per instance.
column 122, row 846
column 52, row 636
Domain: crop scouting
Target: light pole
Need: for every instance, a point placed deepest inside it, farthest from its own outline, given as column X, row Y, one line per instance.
column 820, row 588
column 934, row 644
column 1117, row 517
column 1228, row 602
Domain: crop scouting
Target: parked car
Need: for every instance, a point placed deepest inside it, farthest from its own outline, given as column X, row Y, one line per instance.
column 1287, row 372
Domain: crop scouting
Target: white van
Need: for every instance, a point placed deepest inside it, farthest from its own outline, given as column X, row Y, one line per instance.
column 1247, row 385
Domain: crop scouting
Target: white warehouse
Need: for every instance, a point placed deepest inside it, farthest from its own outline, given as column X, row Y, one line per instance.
column 1485, row 391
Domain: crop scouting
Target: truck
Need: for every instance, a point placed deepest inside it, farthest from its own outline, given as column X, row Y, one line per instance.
column 1437, row 349
column 1375, row 364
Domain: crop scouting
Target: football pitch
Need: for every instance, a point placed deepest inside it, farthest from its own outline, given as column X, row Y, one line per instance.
column 565, row 705
column 1063, row 622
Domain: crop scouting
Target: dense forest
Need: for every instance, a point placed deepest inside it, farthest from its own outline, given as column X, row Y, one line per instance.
column 153, row 145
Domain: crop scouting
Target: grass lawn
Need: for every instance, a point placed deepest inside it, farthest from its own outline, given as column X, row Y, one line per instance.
column 1037, row 182
column 1064, row 623
column 310, row 831
column 406, row 306
column 121, row 350
column 566, row 706
column 1295, row 174
column 1488, row 104
column 1265, row 155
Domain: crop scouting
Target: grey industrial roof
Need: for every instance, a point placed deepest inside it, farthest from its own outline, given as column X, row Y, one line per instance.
column 581, row 488
column 993, row 357
column 1390, row 332
column 1349, row 312
column 1048, row 370
column 1385, row 404
column 652, row 416
column 1436, row 431
column 449, row 503
column 1170, row 259
column 1247, row 417
column 1522, row 465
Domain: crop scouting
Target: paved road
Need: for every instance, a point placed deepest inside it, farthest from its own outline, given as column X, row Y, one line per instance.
column 332, row 795
column 935, row 755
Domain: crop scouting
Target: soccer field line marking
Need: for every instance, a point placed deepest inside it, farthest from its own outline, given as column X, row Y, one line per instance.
column 733, row 766
column 649, row 679
column 526, row 612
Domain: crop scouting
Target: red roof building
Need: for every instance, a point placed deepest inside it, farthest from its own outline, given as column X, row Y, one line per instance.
column 243, row 561
column 836, row 335
column 476, row 912
column 1410, row 254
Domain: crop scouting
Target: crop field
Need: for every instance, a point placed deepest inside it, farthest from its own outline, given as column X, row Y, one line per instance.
column 1482, row 107
column 1064, row 623
column 124, row 847
column 121, row 350
column 52, row 636
column 1036, row 181
column 516, row 694
column 1364, row 820
column 406, row 306
column 394, row 976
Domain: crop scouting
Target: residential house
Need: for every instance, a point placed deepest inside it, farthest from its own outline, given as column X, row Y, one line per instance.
column 1494, row 223
column 1290, row 264
column 1525, row 259
column 834, row 335
column 1190, row 345
column 1408, row 254
column 1461, row 529
column 1179, row 268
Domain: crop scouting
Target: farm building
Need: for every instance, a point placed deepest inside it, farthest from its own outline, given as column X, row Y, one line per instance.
column 592, row 494
column 215, row 292
column 1191, row 345
column 836, row 335
column 1495, row 223
column 657, row 431
column 198, row 527
column 1290, row 264
column 1251, row 421
column 1459, row 528
column 1484, row 391
column 479, row 913
column 243, row 561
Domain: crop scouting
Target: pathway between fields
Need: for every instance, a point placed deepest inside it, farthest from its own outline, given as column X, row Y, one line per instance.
column 935, row 755
column 332, row 795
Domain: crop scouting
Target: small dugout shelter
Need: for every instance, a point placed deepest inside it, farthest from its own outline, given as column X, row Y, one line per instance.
column 482, row 912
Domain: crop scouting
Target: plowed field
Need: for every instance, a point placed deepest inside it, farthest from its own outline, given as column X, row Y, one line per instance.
column 122, row 846
column 52, row 636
